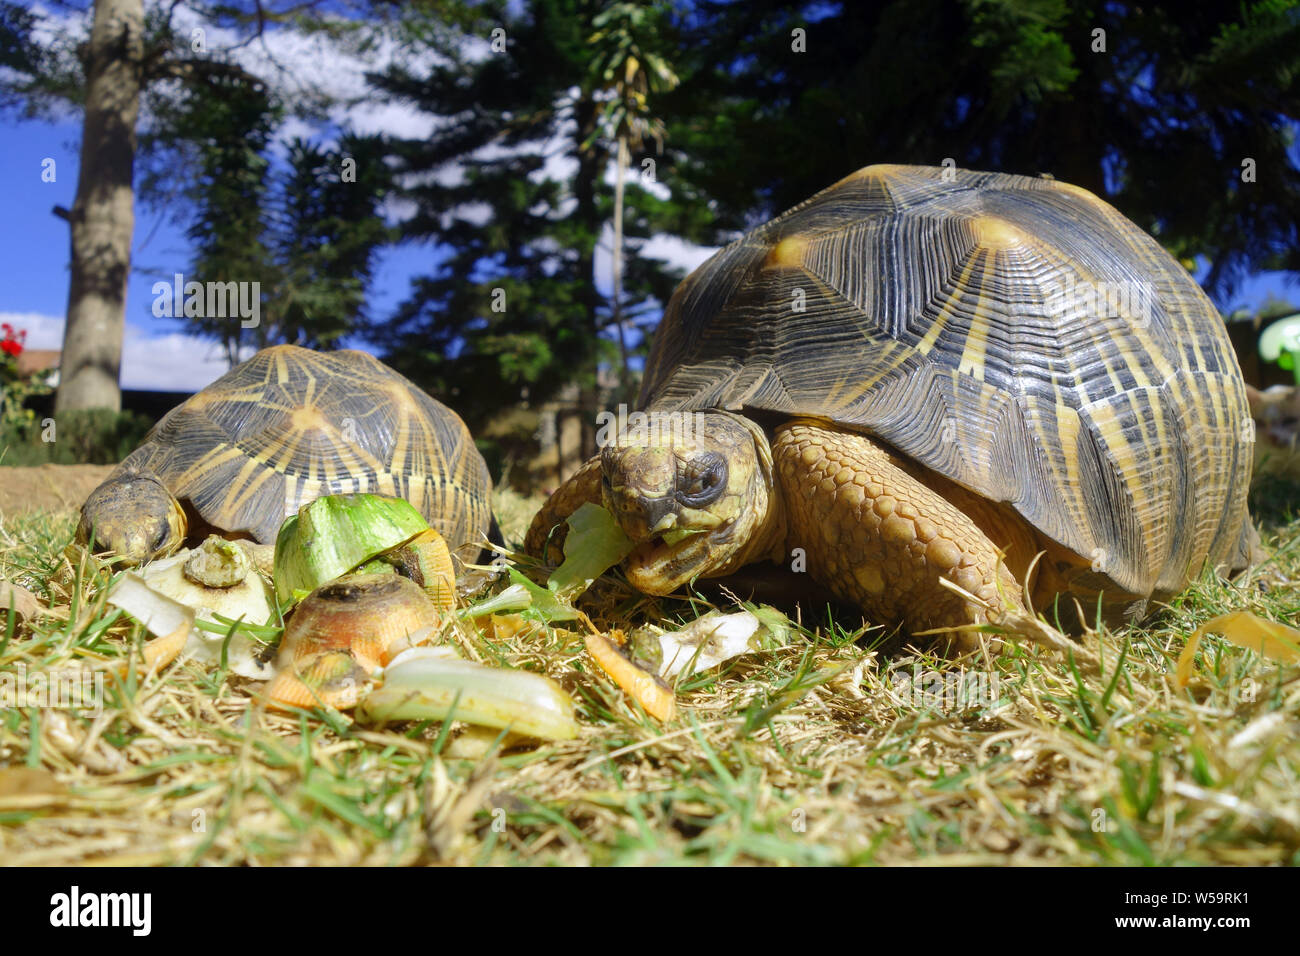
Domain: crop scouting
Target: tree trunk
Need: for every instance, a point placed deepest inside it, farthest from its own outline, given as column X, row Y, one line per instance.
column 625, row 378
column 589, row 169
column 103, row 217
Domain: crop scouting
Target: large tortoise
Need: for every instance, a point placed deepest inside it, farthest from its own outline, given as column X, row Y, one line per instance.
column 918, row 369
column 279, row 431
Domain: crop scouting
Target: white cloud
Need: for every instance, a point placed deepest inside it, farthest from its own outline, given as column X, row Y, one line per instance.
column 670, row 249
column 172, row 362
column 394, row 119
column 296, row 63
column 638, row 174
column 676, row 251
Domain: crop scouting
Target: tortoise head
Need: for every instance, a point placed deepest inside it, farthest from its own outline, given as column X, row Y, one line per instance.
column 133, row 516
column 694, row 491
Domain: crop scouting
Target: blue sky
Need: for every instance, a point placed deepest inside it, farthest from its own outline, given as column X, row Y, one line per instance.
column 34, row 260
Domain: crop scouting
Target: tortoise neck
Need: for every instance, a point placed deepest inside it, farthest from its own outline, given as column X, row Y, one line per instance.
column 767, row 540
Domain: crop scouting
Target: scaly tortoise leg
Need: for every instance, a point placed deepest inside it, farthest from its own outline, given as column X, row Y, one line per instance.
column 546, row 534
column 878, row 536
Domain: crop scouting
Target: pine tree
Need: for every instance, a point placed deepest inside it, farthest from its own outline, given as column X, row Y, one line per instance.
column 227, row 126
column 326, row 238
column 305, row 231
column 511, row 188
column 1181, row 116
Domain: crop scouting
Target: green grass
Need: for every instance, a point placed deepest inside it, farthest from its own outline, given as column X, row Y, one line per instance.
column 811, row 753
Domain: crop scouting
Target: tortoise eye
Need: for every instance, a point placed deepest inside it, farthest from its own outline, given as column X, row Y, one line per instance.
column 703, row 480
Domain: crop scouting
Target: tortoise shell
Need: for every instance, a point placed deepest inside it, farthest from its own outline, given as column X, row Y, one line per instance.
column 1015, row 335
column 291, row 424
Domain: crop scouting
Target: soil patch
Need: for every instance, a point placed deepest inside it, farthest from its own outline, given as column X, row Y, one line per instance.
column 48, row 487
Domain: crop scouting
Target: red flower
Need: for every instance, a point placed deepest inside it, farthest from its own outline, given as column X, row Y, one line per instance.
column 12, row 343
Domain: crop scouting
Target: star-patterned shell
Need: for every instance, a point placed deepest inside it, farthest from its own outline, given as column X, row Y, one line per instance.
column 1018, row 336
column 291, row 424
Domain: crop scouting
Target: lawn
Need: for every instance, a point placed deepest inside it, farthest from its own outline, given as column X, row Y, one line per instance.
column 845, row 745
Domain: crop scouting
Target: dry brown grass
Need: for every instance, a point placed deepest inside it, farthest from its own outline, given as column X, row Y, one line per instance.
column 815, row 752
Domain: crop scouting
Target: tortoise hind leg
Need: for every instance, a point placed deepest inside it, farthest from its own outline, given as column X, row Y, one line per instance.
column 879, row 537
column 546, row 534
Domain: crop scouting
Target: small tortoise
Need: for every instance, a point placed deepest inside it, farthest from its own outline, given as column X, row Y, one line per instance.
column 923, row 374
column 279, row 431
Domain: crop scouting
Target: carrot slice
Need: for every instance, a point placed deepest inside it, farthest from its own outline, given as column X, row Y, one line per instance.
column 643, row 687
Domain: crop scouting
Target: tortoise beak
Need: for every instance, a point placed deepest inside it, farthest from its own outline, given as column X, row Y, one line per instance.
column 642, row 516
column 666, row 523
column 659, row 514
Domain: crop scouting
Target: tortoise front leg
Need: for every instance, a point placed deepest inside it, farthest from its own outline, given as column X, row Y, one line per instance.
column 546, row 534
column 877, row 536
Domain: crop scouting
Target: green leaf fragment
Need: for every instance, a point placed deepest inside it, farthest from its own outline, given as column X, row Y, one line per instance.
column 335, row 534
column 595, row 544
column 514, row 598
column 547, row 604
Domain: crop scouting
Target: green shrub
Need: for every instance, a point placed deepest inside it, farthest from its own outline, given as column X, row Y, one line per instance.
column 94, row 436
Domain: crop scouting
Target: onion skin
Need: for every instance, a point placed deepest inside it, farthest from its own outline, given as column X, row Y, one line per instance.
column 423, row 686
column 426, row 560
column 329, row 679
column 367, row 618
